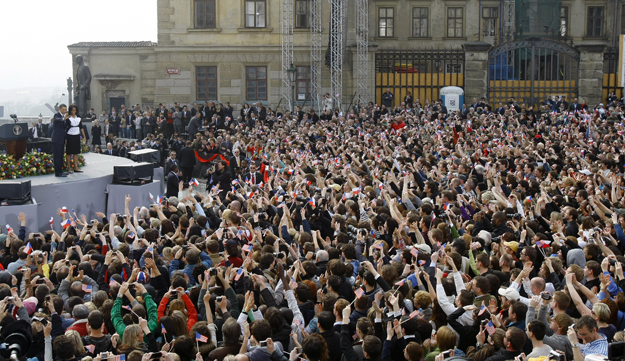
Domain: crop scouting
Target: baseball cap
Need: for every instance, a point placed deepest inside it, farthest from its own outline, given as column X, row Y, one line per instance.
column 514, row 245
column 509, row 293
column 424, row 248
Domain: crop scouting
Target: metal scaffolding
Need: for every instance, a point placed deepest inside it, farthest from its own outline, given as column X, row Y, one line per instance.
column 315, row 53
column 287, row 51
column 509, row 19
column 362, row 50
column 337, row 48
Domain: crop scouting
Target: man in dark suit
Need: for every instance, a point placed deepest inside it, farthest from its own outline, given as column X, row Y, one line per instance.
column 58, row 139
column 110, row 150
column 236, row 160
column 123, row 150
column 171, row 161
column 114, row 121
column 173, row 179
column 222, row 178
column 187, row 162
column 575, row 106
column 253, row 176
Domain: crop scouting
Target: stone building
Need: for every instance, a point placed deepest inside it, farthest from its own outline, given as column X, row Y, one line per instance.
column 230, row 51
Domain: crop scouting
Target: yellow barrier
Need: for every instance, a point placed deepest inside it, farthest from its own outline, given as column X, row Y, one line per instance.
column 502, row 90
column 422, row 85
column 610, row 82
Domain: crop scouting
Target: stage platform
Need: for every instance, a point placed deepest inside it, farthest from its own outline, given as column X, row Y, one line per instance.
column 86, row 193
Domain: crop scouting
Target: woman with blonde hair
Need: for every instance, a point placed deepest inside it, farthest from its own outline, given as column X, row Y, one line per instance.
column 443, row 340
column 134, row 337
column 74, row 336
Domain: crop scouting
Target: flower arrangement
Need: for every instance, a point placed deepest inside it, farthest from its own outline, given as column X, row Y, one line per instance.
column 31, row 164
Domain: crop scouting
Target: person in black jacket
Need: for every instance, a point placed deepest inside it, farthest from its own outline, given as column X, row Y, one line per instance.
column 371, row 346
column 221, row 178
column 325, row 322
column 514, row 342
column 173, row 179
column 187, row 161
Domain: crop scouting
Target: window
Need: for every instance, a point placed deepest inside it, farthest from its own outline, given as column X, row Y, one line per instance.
column 386, row 16
column 256, row 82
column 204, row 14
column 302, row 83
column 255, row 13
column 419, row 22
column 489, row 21
column 454, row 22
column 595, row 21
column 302, row 14
column 206, row 82
column 564, row 21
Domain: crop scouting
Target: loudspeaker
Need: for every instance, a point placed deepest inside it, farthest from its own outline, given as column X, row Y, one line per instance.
column 15, row 192
column 134, row 173
column 42, row 145
column 146, row 155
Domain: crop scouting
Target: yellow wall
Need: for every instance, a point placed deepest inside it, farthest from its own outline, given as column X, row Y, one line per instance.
column 422, row 85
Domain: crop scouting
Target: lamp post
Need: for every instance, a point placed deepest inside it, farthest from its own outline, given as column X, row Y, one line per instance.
column 292, row 74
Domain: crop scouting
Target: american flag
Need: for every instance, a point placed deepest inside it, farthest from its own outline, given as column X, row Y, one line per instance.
column 238, row 276
column 121, row 357
column 247, row 248
column 86, row 288
column 490, row 328
column 414, row 313
column 482, row 310
column 163, row 329
column 90, row 348
column 201, row 338
column 400, row 283
column 293, row 283
column 359, row 292
column 414, row 251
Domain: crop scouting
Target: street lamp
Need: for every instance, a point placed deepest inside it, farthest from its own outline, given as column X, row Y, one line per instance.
column 292, row 75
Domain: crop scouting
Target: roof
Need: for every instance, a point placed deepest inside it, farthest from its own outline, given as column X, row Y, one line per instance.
column 113, row 44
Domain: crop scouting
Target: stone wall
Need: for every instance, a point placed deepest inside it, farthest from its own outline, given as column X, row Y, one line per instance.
column 591, row 73
column 476, row 70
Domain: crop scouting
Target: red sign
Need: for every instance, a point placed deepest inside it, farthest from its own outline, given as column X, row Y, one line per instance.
column 173, row 70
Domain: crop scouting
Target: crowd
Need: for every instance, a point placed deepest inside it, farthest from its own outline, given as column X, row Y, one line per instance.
column 405, row 232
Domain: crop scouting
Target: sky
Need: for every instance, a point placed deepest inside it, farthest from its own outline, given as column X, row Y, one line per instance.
column 36, row 33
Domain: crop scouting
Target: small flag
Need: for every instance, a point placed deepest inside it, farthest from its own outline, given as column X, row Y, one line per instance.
column 126, row 307
column 543, row 244
column 421, row 262
column 293, row 283
column 378, row 246
column 121, row 357
column 9, row 229
column 86, row 288
column 194, row 182
column 151, row 197
column 237, row 277
column 151, row 249
column 247, row 248
column 414, row 251
column 201, row 338
column 163, row 329
column 400, row 283
column 51, row 221
column 381, row 186
column 359, row 292
column 490, row 328
column 113, row 283
column 356, row 191
column 66, row 223
column 159, row 199
column 90, row 348
column 131, row 235
column 311, row 201
column 28, row 249
column 414, row 314
column 235, row 182
column 64, row 210
column 482, row 310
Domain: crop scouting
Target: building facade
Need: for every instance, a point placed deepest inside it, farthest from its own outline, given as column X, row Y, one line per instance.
column 230, row 51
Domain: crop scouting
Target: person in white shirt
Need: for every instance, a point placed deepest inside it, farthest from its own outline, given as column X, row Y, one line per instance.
column 73, row 124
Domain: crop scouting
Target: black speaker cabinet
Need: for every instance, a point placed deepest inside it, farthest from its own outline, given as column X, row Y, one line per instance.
column 146, row 155
column 14, row 192
column 42, row 145
column 138, row 173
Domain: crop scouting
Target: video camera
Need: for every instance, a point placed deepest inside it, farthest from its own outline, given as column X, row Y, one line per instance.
column 15, row 339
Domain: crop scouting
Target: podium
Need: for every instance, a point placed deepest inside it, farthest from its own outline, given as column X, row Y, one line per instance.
column 15, row 137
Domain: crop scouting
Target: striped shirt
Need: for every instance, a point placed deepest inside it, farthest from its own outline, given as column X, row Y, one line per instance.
column 597, row 346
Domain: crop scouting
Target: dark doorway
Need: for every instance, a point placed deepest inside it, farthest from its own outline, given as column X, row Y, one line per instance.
column 116, row 102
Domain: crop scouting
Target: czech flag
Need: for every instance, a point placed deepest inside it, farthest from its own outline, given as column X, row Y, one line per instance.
column 151, row 197
column 9, row 229
column 51, row 221
column 159, row 199
column 543, row 244
column 28, row 249
column 66, row 223
column 194, row 182
column 311, row 201
column 235, row 182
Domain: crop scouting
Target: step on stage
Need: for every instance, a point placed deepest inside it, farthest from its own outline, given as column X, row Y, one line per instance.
column 87, row 193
